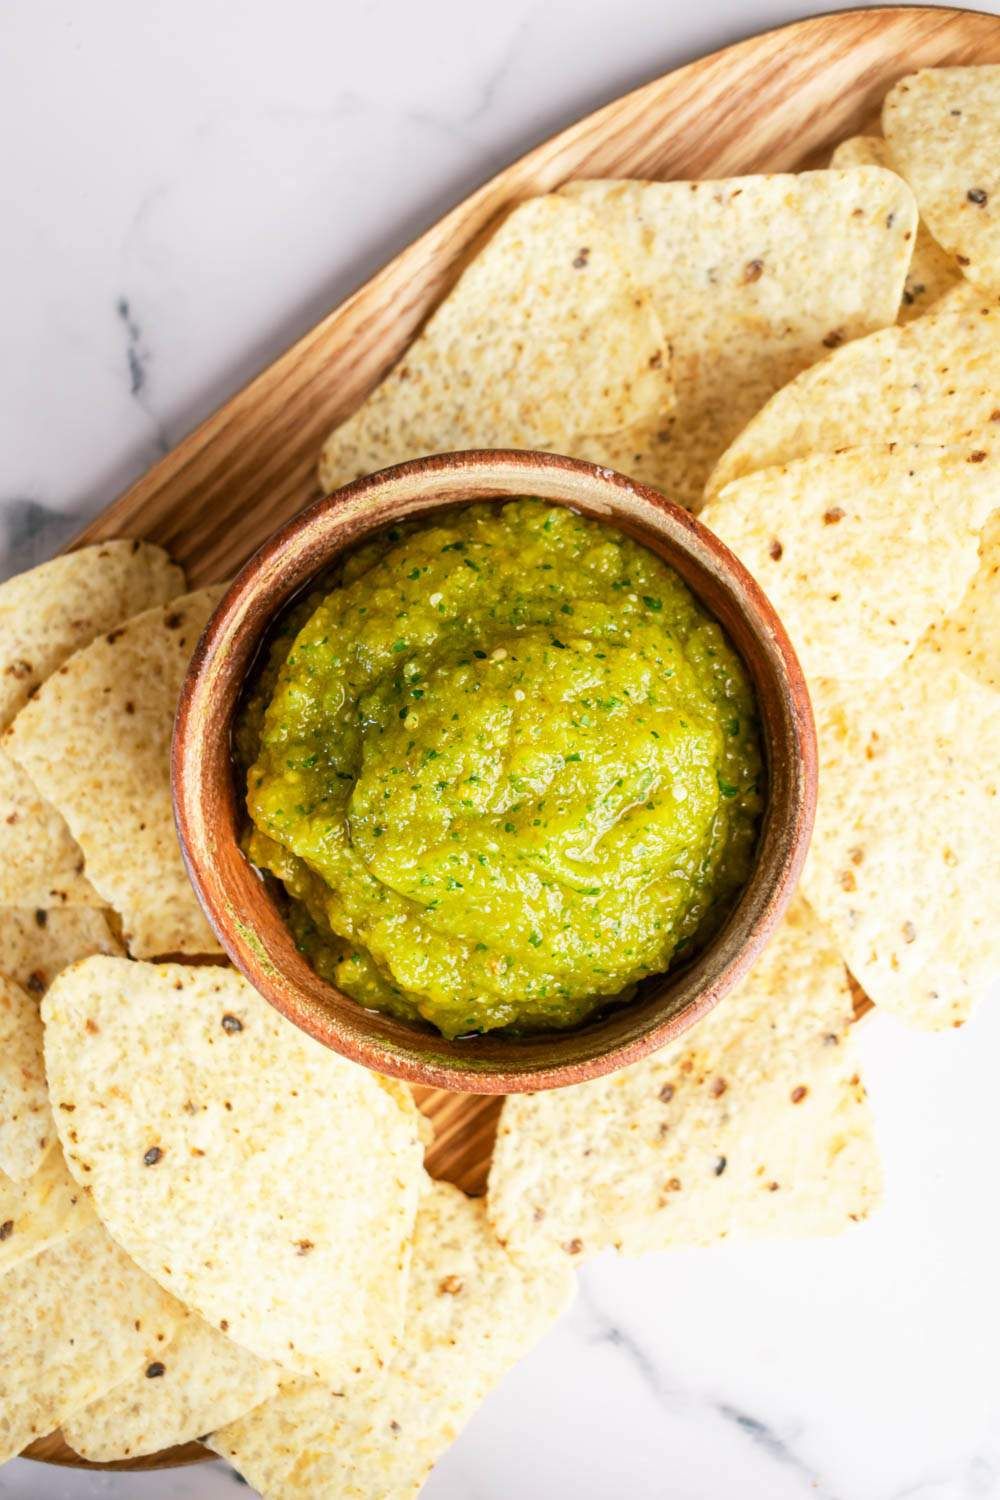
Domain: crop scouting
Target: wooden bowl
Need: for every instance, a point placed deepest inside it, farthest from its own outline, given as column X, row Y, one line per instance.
column 240, row 905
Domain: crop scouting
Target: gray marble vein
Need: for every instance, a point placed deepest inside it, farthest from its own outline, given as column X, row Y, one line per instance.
column 137, row 357
column 770, row 1441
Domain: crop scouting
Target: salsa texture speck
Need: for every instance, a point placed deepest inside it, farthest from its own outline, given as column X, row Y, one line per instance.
column 505, row 766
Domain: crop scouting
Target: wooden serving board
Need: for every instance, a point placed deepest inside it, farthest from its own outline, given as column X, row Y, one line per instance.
column 775, row 102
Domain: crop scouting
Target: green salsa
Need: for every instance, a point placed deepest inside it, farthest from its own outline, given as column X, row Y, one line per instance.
column 506, row 766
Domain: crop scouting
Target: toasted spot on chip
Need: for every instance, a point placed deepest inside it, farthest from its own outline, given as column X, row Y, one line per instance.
column 74, row 1321
column 288, row 1143
column 596, row 1159
column 535, row 339
column 471, row 1313
column 108, row 772
column 942, row 126
column 752, row 278
column 909, row 768
column 876, row 545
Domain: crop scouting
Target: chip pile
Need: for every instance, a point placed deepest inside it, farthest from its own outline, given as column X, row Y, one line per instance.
column 211, row 1226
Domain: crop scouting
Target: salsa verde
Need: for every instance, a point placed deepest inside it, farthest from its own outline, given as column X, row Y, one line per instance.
column 506, row 766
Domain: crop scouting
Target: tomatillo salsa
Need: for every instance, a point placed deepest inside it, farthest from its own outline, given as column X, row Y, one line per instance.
column 506, row 766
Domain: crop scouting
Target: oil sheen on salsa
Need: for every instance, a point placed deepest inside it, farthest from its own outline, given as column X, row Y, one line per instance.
column 505, row 766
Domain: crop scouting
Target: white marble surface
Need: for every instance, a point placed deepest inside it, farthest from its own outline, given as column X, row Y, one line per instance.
column 187, row 186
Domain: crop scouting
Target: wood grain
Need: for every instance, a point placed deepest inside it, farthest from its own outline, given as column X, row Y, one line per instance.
column 775, row 102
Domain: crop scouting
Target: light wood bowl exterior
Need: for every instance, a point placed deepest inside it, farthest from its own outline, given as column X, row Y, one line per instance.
column 773, row 102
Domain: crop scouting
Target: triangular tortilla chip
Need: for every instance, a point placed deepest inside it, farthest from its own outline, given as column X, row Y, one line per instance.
column 45, row 615
column 261, row 1178
column 74, row 1321
column 40, row 1211
column 932, row 381
column 970, row 638
column 470, row 1315
column 754, row 1124
column 202, row 1380
column 40, row 861
column 943, row 129
column 96, row 741
column 544, row 335
column 932, row 272
column 26, row 1128
column 861, row 551
column 753, row 278
column 904, row 865
column 53, row 610
column 36, row 944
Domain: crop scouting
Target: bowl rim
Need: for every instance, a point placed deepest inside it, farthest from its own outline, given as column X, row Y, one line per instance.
column 235, row 900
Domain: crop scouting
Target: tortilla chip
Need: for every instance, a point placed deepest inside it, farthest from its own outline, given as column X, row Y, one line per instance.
column 201, row 1381
column 96, row 741
column 544, row 335
column 904, row 865
column 753, row 278
column 932, row 381
column 931, row 272
column 970, row 638
column 53, row 610
column 471, row 1315
column 752, row 1125
column 861, row 551
column 943, row 129
column 26, row 1128
column 964, row 297
column 405, row 1098
column 45, row 615
column 41, row 1211
column 261, row 1178
column 74, row 1321
column 41, row 863
column 35, row 944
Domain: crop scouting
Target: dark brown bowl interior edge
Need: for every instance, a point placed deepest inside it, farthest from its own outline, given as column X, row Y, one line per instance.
column 242, row 911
